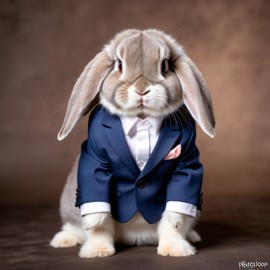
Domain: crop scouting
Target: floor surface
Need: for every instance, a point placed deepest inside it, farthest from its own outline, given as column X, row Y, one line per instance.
column 234, row 230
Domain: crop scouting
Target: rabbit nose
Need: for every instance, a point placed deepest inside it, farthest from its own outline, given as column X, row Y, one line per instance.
column 145, row 92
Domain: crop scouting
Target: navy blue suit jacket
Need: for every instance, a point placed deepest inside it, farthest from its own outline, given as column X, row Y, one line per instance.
column 108, row 173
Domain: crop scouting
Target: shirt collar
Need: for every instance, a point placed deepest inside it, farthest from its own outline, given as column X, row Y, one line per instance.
column 129, row 124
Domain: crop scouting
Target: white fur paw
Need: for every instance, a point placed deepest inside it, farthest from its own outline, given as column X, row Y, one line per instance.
column 194, row 237
column 175, row 219
column 64, row 239
column 94, row 220
column 92, row 250
column 178, row 248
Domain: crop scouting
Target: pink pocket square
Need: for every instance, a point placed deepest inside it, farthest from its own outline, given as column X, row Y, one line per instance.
column 174, row 153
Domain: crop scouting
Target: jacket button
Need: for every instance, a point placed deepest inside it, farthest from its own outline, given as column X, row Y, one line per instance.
column 141, row 184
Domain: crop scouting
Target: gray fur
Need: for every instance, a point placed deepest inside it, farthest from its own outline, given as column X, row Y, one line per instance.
column 68, row 212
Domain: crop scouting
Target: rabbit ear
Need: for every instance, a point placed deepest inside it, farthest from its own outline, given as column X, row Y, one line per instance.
column 84, row 91
column 196, row 95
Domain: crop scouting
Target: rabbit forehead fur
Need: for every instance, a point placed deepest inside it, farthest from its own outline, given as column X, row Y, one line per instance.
column 141, row 54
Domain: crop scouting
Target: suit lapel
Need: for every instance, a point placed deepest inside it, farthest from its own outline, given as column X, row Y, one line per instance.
column 113, row 130
column 167, row 138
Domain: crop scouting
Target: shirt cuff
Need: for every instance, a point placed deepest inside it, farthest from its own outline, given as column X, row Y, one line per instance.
column 94, row 207
column 182, row 207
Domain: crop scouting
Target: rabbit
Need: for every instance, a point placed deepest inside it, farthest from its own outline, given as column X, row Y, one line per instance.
column 140, row 73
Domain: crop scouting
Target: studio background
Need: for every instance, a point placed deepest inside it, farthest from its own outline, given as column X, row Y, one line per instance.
column 44, row 46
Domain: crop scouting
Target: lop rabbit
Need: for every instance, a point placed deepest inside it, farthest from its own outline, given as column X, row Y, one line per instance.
column 138, row 177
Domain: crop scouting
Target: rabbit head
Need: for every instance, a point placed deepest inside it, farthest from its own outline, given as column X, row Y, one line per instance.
column 142, row 73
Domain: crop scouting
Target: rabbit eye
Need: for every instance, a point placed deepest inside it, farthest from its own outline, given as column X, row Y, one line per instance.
column 119, row 65
column 164, row 66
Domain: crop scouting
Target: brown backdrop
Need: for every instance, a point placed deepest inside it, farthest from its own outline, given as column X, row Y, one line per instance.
column 45, row 45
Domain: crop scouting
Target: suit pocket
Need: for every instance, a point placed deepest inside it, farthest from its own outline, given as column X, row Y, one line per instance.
column 170, row 162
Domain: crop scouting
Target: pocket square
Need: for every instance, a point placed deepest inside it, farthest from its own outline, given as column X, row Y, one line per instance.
column 174, row 153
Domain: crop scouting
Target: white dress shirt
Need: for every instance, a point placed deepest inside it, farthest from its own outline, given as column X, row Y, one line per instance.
column 131, row 125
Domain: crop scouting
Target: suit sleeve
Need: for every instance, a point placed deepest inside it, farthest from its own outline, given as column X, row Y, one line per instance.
column 186, row 182
column 94, row 174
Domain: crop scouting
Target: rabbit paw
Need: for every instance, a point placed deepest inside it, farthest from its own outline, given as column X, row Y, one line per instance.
column 194, row 237
column 92, row 250
column 94, row 220
column 175, row 219
column 64, row 239
column 178, row 248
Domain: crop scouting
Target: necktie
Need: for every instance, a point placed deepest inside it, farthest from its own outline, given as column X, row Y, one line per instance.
column 143, row 142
